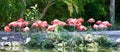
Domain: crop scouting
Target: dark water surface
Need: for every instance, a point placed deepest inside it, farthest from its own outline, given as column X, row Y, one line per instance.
column 23, row 49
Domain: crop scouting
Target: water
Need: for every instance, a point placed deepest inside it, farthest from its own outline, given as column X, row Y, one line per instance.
column 23, row 49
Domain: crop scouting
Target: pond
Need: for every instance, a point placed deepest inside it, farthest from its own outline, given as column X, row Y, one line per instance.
column 23, row 49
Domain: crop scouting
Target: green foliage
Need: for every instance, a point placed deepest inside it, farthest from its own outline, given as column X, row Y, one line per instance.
column 32, row 14
column 97, row 9
column 71, row 6
column 117, row 12
column 62, row 39
column 10, row 10
column 75, row 41
column 104, row 41
column 46, row 43
column 60, row 29
column 34, row 40
column 61, row 9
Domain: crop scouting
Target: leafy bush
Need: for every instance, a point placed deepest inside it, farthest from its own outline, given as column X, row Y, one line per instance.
column 46, row 43
column 104, row 41
column 34, row 41
column 62, row 39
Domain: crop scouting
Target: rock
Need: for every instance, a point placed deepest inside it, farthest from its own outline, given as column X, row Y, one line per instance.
column 10, row 48
column 12, row 37
column 1, row 44
column 15, row 43
column 7, row 44
column 118, row 40
column 4, row 38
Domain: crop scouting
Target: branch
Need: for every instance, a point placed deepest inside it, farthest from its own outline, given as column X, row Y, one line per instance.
column 50, row 3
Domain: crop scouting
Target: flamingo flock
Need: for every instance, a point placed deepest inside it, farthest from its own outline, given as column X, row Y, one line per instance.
column 21, row 23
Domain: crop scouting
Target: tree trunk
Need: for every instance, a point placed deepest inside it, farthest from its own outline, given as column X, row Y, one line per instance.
column 112, row 11
column 23, row 11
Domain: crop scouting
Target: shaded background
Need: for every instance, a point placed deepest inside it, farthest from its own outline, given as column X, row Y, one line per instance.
column 11, row 10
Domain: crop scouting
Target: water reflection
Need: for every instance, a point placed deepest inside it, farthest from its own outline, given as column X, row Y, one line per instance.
column 23, row 49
